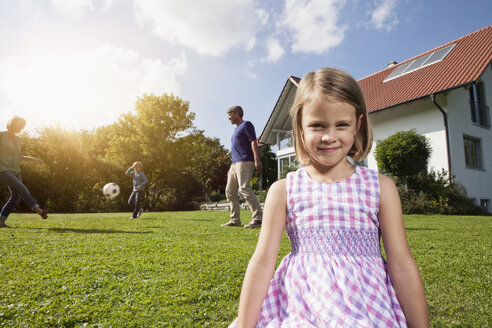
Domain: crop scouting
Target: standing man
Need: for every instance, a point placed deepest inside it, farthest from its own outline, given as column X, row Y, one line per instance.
column 245, row 157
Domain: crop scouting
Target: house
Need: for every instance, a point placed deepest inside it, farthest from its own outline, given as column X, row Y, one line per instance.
column 442, row 93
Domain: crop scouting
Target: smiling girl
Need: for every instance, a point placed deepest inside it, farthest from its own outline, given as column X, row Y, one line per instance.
column 334, row 214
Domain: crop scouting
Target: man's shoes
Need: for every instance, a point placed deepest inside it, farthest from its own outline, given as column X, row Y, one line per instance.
column 140, row 212
column 231, row 224
column 253, row 224
column 132, row 218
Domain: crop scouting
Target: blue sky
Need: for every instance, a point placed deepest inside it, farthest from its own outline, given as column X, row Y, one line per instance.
column 82, row 63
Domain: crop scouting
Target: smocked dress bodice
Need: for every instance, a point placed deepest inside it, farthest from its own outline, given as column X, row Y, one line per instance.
column 334, row 275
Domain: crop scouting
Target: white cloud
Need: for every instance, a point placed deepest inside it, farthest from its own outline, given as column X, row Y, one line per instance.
column 79, row 8
column 210, row 27
column 313, row 24
column 107, row 4
column 275, row 50
column 384, row 15
column 275, row 53
column 73, row 8
column 86, row 90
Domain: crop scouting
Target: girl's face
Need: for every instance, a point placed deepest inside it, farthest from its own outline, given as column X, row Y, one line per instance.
column 329, row 128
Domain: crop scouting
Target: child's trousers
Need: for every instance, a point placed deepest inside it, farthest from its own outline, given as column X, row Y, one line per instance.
column 136, row 197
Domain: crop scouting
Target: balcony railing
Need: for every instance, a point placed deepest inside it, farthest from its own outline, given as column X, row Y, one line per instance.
column 480, row 114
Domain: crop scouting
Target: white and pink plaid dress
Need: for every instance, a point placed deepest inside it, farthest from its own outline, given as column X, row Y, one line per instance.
column 335, row 275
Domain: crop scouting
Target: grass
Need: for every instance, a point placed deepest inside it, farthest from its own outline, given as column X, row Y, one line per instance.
column 181, row 269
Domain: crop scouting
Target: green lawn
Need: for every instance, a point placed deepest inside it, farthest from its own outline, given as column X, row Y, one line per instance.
column 181, row 269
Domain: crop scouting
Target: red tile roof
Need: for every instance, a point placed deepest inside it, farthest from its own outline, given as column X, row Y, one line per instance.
column 463, row 64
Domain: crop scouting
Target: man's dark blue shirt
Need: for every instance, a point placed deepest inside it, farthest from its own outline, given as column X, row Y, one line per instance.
column 241, row 143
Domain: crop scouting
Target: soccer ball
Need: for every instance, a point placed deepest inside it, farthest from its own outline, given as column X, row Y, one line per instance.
column 111, row 190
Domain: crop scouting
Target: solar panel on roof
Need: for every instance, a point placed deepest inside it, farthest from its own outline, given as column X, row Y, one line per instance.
column 418, row 63
column 397, row 72
column 439, row 55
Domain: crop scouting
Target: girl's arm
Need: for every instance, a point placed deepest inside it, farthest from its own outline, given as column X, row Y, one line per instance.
column 31, row 159
column 403, row 270
column 262, row 264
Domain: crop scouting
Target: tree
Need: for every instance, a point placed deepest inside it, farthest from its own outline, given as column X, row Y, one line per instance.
column 205, row 158
column 403, row 154
column 269, row 161
column 72, row 176
column 182, row 164
column 269, row 171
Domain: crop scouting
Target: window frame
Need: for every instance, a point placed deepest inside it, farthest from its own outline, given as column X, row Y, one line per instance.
column 479, row 111
column 485, row 204
column 477, row 150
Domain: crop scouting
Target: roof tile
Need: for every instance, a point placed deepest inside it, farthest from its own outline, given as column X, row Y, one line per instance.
column 464, row 64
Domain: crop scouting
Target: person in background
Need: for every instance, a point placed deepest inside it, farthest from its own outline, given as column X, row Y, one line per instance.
column 139, row 181
column 10, row 173
column 245, row 158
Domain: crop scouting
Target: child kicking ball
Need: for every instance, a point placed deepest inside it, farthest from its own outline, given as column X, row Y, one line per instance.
column 139, row 181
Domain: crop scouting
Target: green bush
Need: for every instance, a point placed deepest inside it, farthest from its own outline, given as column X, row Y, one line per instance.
column 262, row 196
column 215, row 196
column 290, row 168
column 435, row 193
column 403, row 154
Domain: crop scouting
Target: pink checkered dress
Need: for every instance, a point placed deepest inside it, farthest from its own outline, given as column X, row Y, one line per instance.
column 335, row 275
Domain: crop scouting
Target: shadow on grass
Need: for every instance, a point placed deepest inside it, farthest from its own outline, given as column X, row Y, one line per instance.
column 188, row 220
column 417, row 229
column 104, row 231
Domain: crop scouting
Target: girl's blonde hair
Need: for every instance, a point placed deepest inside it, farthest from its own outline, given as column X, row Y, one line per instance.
column 337, row 85
column 138, row 164
column 16, row 122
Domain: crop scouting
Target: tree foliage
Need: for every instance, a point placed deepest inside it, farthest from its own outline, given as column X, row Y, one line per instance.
column 181, row 163
column 403, row 154
column 268, row 175
column 436, row 193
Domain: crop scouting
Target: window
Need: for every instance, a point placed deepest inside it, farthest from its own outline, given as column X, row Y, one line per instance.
column 286, row 141
column 479, row 111
column 284, row 164
column 485, row 204
column 362, row 162
column 288, row 164
column 473, row 152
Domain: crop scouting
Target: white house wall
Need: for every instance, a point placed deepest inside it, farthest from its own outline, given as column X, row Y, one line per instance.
column 478, row 183
column 421, row 115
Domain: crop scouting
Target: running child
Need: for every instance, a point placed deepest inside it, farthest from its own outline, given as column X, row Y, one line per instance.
column 334, row 214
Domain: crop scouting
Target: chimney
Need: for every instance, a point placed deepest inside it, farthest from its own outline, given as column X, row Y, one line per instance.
column 391, row 64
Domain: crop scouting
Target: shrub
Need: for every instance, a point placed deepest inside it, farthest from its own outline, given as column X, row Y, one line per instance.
column 285, row 170
column 215, row 196
column 403, row 154
column 262, row 196
column 435, row 193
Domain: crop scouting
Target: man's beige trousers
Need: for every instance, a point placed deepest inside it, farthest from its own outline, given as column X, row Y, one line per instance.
column 239, row 178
